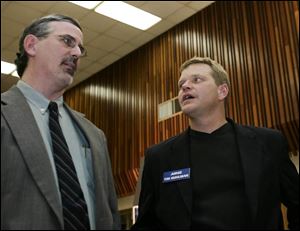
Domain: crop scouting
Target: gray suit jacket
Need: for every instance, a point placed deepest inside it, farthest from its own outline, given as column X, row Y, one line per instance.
column 29, row 197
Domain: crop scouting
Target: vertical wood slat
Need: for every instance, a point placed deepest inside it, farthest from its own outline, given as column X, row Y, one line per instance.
column 256, row 42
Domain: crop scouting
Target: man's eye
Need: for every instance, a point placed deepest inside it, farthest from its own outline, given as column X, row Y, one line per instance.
column 197, row 79
column 68, row 42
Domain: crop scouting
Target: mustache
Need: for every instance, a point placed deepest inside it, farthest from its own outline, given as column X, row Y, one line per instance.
column 71, row 59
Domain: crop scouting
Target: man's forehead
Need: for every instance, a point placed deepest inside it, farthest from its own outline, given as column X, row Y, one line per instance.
column 63, row 24
column 196, row 69
column 67, row 27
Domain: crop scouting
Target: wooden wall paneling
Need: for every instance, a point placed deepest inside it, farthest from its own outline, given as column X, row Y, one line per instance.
column 291, row 73
column 251, row 86
column 281, row 41
column 274, row 67
column 259, row 63
column 292, row 15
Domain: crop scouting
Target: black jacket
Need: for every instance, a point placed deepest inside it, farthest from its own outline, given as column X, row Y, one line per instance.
column 269, row 176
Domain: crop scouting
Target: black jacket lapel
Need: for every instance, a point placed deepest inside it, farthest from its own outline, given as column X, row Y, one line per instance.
column 179, row 159
column 250, row 151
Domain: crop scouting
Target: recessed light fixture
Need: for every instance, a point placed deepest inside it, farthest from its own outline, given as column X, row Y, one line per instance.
column 128, row 14
column 87, row 4
column 7, row 68
column 15, row 73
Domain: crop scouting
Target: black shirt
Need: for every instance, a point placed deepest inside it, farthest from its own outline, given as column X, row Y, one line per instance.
column 219, row 200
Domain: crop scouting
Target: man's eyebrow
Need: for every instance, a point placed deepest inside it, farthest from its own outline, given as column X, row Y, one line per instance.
column 180, row 81
column 197, row 75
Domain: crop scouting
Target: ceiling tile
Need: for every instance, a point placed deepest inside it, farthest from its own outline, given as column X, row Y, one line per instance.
column 67, row 8
column 84, row 62
column 94, row 67
column 141, row 39
column 8, row 56
column 199, row 5
column 181, row 14
column 126, row 48
column 110, row 58
column 136, row 3
column 161, row 27
column 123, row 32
column 96, row 22
column 106, row 43
column 6, row 41
column 95, row 53
column 27, row 15
column 161, row 8
column 88, row 35
column 43, row 7
column 13, row 46
column 11, row 28
column 184, row 2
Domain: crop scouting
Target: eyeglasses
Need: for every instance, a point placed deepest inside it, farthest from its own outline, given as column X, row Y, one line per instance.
column 70, row 42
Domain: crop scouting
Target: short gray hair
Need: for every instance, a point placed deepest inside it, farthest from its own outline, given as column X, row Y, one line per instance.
column 39, row 28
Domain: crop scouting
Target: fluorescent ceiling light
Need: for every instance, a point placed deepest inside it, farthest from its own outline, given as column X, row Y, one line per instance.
column 86, row 4
column 128, row 14
column 7, row 68
column 15, row 73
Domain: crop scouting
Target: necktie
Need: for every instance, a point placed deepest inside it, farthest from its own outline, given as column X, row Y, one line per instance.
column 74, row 206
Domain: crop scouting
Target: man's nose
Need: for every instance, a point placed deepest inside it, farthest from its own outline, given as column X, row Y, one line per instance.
column 186, row 85
column 76, row 51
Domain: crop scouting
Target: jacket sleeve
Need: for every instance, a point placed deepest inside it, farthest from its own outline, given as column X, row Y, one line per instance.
column 289, row 184
column 146, row 211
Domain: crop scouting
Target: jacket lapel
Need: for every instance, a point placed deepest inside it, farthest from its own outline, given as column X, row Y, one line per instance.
column 26, row 132
column 250, row 151
column 179, row 159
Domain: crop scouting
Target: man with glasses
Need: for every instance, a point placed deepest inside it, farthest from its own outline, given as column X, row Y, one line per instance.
column 55, row 166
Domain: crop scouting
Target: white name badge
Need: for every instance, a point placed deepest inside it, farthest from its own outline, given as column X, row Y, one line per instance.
column 176, row 175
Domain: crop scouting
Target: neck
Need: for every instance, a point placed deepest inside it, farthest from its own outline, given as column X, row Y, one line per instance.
column 45, row 86
column 207, row 124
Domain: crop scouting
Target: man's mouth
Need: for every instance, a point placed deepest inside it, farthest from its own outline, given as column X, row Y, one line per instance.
column 187, row 97
column 71, row 65
column 70, row 68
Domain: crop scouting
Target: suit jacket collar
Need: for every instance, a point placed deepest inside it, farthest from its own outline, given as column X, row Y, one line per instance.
column 250, row 154
column 24, row 128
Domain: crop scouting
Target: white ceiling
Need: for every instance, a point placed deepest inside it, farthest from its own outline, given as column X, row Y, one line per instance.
column 106, row 40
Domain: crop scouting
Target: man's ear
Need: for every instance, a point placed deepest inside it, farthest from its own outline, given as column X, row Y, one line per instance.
column 223, row 91
column 29, row 43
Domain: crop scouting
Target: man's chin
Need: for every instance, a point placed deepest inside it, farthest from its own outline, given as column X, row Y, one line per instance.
column 187, row 109
column 68, row 79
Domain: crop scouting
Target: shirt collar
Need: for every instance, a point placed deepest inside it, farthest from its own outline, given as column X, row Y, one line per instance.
column 36, row 98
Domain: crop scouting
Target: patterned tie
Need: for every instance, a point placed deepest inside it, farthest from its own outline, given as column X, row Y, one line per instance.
column 74, row 206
